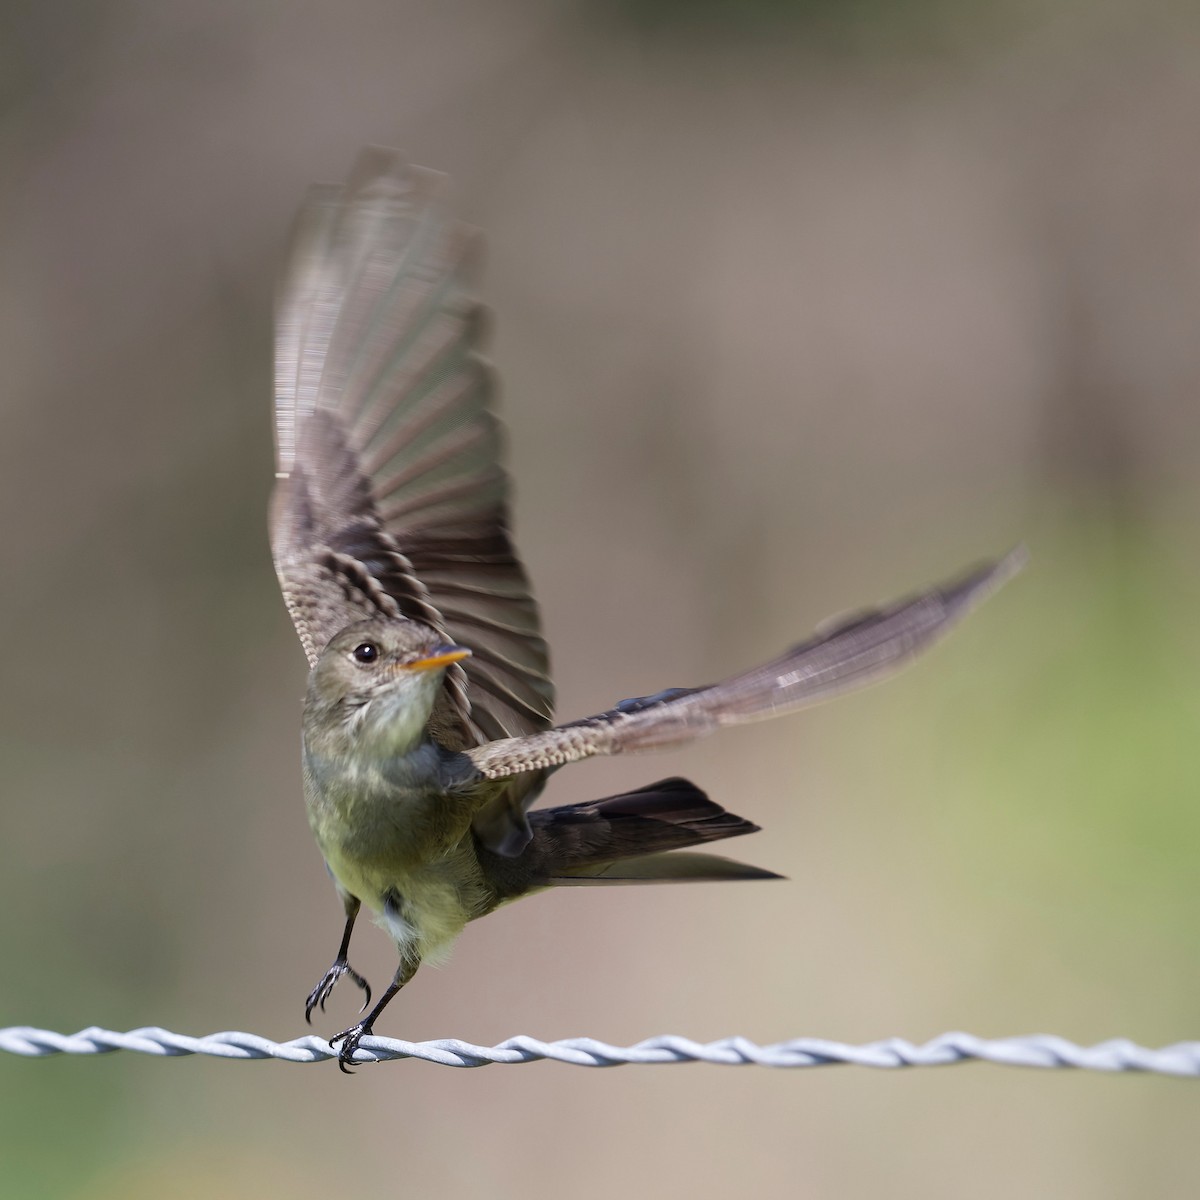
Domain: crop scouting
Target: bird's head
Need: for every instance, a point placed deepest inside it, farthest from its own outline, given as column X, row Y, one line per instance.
column 375, row 686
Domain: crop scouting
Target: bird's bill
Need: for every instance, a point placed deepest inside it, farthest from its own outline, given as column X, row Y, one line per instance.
column 443, row 656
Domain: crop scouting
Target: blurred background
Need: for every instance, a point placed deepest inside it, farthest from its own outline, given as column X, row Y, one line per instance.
column 801, row 304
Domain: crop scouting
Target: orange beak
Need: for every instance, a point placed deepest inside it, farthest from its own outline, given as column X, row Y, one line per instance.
column 443, row 656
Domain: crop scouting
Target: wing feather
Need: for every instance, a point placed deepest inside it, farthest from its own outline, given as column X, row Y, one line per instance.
column 854, row 652
column 390, row 496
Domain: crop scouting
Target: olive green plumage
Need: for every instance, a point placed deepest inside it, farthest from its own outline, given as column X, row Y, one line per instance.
column 428, row 721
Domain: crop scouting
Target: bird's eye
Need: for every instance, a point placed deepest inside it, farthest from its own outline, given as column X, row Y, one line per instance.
column 366, row 652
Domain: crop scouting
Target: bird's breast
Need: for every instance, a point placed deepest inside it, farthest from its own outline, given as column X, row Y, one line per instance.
column 396, row 838
column 393, row 813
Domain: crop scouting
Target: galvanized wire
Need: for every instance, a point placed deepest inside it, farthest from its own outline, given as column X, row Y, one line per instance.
column 1036, row 1050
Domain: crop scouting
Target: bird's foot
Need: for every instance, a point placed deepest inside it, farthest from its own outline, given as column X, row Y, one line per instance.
column 350, row 1039
column 328, row 982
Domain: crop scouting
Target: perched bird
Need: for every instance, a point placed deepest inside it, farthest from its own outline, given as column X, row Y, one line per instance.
column 428, row 728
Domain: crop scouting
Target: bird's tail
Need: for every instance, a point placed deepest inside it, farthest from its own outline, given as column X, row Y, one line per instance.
column 637, row 837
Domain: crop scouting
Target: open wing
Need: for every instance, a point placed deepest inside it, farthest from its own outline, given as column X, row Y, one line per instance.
column 854, row 652
column 389, row 497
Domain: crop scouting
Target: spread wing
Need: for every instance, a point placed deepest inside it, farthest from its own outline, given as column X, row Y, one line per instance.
column 389, row 496
column 854, row 652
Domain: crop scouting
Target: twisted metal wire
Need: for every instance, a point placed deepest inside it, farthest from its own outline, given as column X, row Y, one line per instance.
column 1036, row 1050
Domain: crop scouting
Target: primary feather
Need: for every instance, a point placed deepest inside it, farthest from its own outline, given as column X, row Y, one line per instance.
column 851, row 653
column 390, row 500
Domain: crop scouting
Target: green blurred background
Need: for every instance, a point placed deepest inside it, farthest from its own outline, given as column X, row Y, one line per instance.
column 800, row 305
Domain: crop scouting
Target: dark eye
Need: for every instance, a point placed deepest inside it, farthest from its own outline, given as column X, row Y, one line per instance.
column 366, row 652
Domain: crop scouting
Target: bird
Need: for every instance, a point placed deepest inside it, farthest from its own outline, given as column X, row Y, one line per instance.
column 428, row 720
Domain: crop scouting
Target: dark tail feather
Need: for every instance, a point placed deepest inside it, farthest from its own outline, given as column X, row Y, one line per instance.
column 675, row 866
column 626, row 839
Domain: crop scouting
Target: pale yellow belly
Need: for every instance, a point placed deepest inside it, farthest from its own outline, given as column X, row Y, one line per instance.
column 437, row 898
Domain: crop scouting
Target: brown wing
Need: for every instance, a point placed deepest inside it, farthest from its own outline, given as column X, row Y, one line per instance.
column 389, row 496
column 856, row 651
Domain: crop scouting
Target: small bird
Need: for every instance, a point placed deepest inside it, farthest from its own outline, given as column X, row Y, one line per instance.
column 428, row 720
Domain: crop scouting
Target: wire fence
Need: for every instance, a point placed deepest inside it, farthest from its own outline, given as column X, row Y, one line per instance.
column 1036, row 1050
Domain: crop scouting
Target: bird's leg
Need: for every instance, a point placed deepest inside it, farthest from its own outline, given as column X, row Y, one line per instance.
column 351, row 1037
column 340, row 967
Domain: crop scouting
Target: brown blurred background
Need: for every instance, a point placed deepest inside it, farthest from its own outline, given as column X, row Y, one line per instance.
column 800, row 304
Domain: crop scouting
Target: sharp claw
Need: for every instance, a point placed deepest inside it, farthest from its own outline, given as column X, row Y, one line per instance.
column 350, row 1039
column 324, row 989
